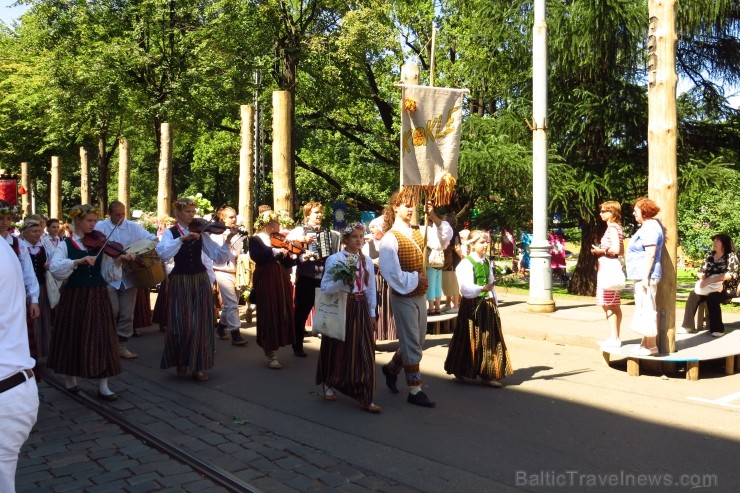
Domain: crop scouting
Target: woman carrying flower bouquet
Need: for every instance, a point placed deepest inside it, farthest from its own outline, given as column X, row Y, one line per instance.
column 349, row 366
column 477, row 348
column 272, row 291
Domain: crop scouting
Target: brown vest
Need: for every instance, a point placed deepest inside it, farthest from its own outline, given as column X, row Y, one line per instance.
column 410, row 257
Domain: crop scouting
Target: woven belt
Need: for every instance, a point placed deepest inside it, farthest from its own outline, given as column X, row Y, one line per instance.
column 15, row 380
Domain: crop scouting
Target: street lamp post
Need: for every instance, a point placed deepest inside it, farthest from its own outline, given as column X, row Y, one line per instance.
column 540, row 273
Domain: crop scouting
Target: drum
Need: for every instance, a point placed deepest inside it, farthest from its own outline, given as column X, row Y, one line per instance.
column 147, row 270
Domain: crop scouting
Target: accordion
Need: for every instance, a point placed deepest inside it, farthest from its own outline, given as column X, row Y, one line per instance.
column 321, row 248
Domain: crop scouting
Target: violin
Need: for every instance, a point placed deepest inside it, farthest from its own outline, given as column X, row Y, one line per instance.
column 278, row 240
column 95, row 240
column 200, row 225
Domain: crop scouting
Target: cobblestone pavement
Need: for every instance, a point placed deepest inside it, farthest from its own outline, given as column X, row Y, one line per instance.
column 74, row 449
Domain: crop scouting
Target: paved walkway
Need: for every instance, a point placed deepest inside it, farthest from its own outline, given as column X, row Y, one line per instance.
column 74, row 449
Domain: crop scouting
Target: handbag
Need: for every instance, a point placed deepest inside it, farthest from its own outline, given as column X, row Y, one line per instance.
column 712, row 287
column 435, row 258
column 610, row 276
column 330, row 314
column 645, row 318
column 53, row 287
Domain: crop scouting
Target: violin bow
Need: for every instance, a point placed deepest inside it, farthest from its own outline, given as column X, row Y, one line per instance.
column 115, row 226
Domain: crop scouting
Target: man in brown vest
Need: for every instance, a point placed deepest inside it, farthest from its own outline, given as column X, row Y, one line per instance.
column 401, row 258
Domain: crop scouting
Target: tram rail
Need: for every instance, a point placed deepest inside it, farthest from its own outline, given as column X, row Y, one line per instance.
column 209, row 471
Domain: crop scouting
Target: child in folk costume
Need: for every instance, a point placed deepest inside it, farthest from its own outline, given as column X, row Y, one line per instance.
column 272, row 291
column 349, row 366
column 189, row 341
column 84, row 341
column 477, row 347
column 40, row 254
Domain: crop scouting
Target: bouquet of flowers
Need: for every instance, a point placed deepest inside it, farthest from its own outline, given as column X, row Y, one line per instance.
column 346, row 272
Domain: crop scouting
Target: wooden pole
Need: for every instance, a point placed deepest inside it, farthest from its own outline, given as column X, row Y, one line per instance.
column 55, row 199
column 246, row 168
column 282, row 151
column 431, row 56
column 26, row 184
column 540, row 273
column 84, row 177
column 662, row 139
column 124, row 173
column 164, row 194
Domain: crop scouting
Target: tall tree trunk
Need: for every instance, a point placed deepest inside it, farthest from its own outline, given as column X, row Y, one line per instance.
column 102, row 189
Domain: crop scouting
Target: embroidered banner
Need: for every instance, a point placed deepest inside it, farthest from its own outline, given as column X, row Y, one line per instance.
column 431, row 118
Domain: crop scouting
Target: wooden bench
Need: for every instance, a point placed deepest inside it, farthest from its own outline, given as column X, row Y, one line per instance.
column 437, row 320
column 701, row 312
column 691, row 349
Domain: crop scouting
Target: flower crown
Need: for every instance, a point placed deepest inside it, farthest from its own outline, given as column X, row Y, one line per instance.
column 9, row 210
column 182, row 202
column 30, row 223
column 351, row 228
column 265, row 218
column 83, row 209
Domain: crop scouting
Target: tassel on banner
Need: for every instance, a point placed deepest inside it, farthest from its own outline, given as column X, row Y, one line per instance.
column 440, row 194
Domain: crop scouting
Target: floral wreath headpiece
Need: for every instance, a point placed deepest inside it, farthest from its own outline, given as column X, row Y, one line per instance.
column 351, row 229
column 8, row 210
column 83, row 209
column 30, row 223
column 265, row 218
column 477, row 237
column 182, row 202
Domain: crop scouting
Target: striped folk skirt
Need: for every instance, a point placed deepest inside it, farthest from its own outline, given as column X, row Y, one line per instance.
column 349, row 366
column 272, row 293
column 84, row 341
column 39, row 333
column 142, row 309
column 477, row 347
column 159, row 315
column 189, row 342
column 386, row 323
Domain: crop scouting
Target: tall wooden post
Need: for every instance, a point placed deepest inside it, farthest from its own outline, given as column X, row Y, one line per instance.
column 164, row 194
column 246, row 169
column 26, row 184
column 124, row 172
column 540, row 273
column 663, row 171
column 282, row 151
column 55, row 192
column 84, row 177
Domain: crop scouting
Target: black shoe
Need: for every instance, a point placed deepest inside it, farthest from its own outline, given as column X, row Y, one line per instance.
column 390, row 379
column 136, row 333
column 300, row 353
column 237, row 339
column 420, row 399
column 221, row 331
column 73, row 390
column 110, row 397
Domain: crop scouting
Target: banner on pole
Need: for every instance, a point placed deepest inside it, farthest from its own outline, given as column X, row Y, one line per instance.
column 431, row 119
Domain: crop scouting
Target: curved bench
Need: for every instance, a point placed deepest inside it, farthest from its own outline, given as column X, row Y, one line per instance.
column 691, row 349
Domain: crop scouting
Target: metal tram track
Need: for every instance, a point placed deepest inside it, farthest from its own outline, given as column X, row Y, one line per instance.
column 214, row 473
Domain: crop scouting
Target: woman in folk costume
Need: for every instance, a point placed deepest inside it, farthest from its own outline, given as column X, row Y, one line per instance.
column 477, row 348
column 159, row 314
column 349, row 366
column 271, row 288
column 40, row 254
column 386, row 326
column 189, row 341
column 84, row 341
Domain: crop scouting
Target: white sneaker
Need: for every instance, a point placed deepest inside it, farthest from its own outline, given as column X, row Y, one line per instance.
column 684, row 330
column 717, row 334
column 610, row 343
column 643, row 351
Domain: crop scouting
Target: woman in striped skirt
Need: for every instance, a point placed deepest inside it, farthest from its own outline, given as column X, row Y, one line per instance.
column 84, row 341
column 189, row 340
column 477, row 348
column 611, row 246
column 271, row 288
column 349, row 366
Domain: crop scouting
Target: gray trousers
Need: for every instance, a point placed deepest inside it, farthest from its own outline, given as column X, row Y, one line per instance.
column 410, row 315
column 230, row 312
column 122, row 300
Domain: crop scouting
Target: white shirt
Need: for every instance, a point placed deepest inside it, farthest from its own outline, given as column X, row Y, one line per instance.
column 29, row 276
column 168, row 246
column 14, row 352
column 329, row 287
column 61, row 266
column 405, row 282
column 235, row 247
column 126, row 233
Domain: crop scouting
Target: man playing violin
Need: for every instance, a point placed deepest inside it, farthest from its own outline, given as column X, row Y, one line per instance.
column 226, row 279
column 310, row 268
column 122, row 292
